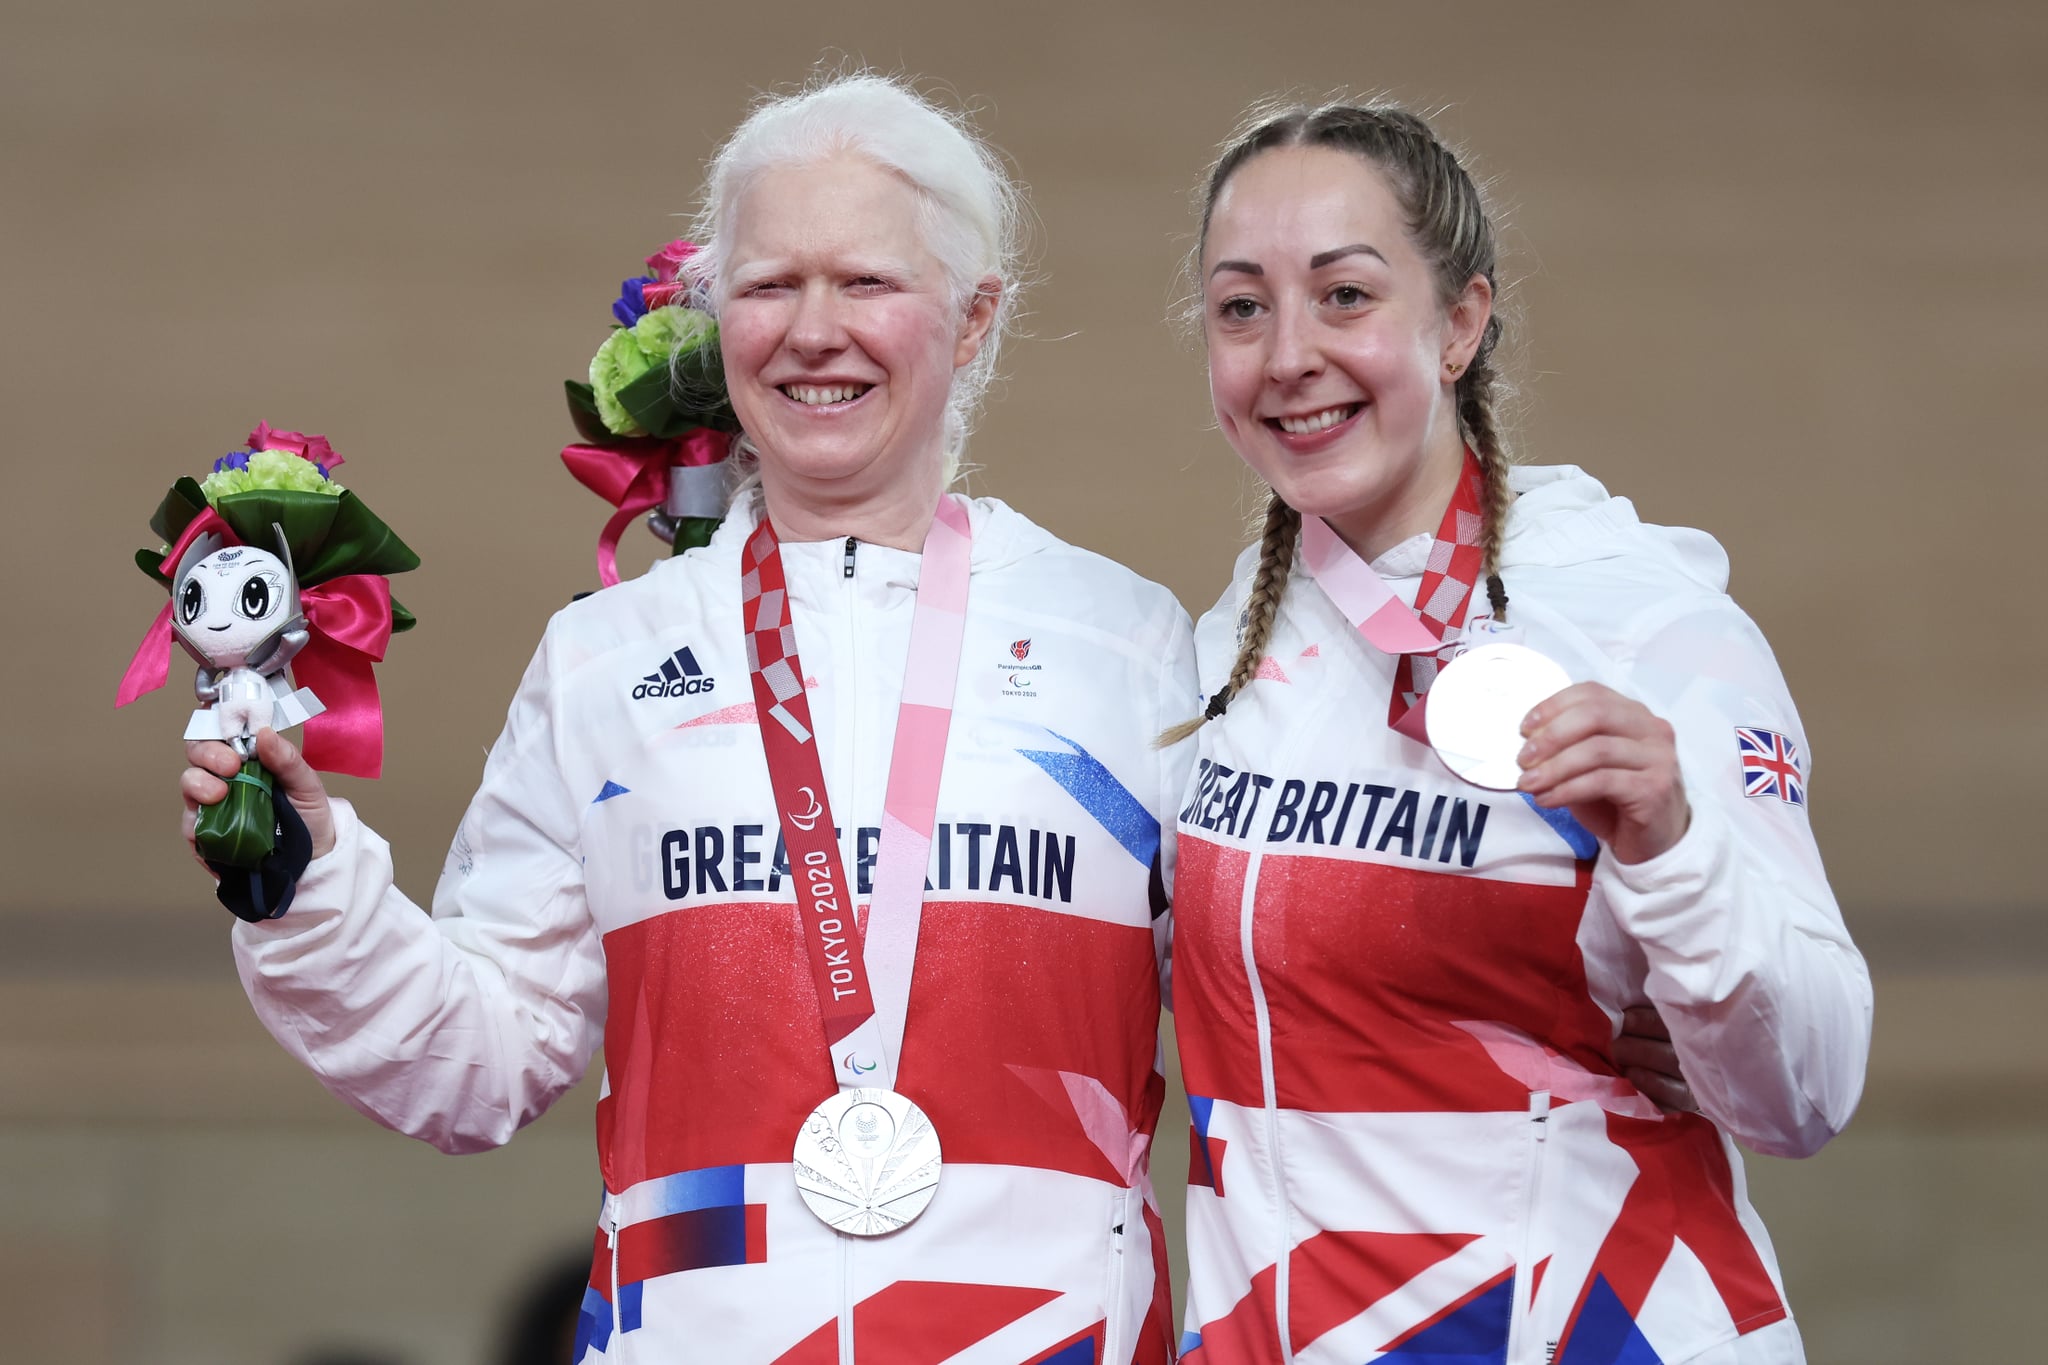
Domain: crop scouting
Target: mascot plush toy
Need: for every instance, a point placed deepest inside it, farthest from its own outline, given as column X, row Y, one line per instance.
column 237, row 613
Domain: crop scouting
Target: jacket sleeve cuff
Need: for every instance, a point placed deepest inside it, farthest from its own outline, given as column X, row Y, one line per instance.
column 1647, row 897
column 330, row 883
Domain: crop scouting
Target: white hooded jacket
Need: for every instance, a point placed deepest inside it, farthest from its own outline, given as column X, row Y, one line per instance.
column 621, row 871
column 1395, row 993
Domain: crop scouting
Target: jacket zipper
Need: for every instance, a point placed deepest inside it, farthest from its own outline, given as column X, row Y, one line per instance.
column 1263, row 1020
column 847, row 682
column 1269, row 1090
column 1123, row 1209
column 617, row 1348
column 1532, row 1189
column 845, row 1293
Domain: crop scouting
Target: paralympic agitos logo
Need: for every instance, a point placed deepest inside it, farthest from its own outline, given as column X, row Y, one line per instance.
column 678, row 676
column 807, row 819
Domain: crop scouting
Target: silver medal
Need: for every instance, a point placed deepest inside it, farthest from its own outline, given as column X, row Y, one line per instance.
column 1476, row 707
column 867, row 1161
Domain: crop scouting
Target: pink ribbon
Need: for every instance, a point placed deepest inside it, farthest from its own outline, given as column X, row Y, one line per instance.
column 349, row 627
column 632, row 475
column 653, row 296
column 348, row 621
column 151, row 666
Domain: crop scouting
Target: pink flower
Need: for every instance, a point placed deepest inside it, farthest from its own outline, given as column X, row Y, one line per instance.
column 314, row 448
column 667, row 263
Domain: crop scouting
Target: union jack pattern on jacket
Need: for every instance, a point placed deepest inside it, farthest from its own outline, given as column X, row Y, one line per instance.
column 1395, row 994
column 621, row 868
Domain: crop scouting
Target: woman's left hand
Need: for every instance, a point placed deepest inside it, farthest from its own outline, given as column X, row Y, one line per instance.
column 1613, row 762
column 1647, row 1059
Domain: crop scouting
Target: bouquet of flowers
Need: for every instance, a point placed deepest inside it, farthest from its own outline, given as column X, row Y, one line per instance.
column 654, row 418
column 269, row 563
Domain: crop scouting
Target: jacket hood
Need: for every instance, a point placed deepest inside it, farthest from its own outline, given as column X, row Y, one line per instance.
column 1562, row 516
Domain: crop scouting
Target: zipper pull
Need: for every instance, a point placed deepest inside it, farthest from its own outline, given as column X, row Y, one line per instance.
column 1539, row 1113
column 611, row 1219
column 850, row 544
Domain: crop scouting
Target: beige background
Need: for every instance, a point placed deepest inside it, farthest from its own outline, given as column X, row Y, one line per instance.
column 1778, row 272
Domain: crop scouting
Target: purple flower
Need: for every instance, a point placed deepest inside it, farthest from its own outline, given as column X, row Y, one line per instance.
column 632, row 304
column 235, row 459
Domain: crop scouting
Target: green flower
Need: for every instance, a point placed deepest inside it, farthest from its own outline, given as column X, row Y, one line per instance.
column 269, row 469
column 631, row 353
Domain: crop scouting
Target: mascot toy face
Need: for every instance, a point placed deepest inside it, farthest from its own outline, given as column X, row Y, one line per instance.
column 231, row 604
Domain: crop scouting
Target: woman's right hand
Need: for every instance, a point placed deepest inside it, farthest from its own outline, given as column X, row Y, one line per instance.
column 213, row 763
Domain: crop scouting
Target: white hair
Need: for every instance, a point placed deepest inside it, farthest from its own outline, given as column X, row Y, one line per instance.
column 969, row 212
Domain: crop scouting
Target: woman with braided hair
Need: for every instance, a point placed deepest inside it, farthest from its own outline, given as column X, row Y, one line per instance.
column 1403, row 1001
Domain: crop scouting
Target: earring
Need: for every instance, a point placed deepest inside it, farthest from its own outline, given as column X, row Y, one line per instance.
column 1453, row 367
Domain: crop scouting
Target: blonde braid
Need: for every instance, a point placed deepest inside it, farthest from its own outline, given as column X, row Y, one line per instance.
column 1476, row 395
column 1262, row 609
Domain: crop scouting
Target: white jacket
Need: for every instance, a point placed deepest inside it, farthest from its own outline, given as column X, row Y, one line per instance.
column 620, row 869
column 1395, row 993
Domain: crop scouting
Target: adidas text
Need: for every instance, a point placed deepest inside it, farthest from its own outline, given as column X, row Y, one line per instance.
column 679, row 687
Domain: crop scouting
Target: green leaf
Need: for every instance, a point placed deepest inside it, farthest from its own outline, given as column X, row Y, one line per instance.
column 361, row 543
column 241, row 828
column 583, row 412
column 401, row 619
column 672, row 403
column 698, row 389
column 651, row 404
column 306, row 519
column 147, row 561
column 176, row 511
column 694, row 532
column 330, row 536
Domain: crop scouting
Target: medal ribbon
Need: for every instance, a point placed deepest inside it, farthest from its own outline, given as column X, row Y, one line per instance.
column 1415, row 636
column 862, row 994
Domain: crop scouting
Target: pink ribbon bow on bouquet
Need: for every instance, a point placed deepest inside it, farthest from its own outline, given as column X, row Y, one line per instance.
column 632, row 474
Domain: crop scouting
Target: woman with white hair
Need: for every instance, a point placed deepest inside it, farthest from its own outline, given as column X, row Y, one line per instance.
column 916, row 1135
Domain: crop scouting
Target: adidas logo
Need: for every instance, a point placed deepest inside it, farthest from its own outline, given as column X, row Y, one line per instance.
column 678, row 676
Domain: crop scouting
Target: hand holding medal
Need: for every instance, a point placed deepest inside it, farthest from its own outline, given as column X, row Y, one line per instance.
column 1614, row 762
column 1506, row 717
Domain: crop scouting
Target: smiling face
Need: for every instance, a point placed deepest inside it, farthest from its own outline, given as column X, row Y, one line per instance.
column 1332, row 356
column 230, row 602
column 840, row 339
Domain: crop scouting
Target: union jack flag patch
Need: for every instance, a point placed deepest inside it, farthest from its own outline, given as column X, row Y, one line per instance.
column 1770, row 765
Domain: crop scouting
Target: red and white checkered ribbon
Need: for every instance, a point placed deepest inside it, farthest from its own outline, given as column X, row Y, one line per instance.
column 863, row 992
column 1417, row 636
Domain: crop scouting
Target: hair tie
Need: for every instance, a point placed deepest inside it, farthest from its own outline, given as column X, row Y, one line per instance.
column 1218, row 704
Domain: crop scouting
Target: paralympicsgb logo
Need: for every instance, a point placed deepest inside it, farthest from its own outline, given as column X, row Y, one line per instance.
column 678, row 676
